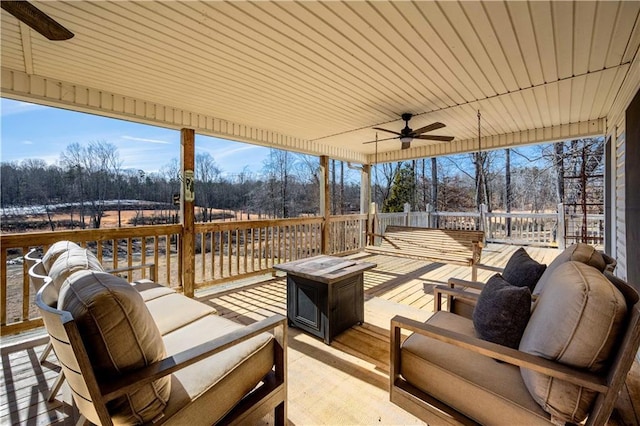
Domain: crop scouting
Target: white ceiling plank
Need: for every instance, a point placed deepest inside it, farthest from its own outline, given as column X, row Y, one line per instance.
column 462, row 38
column 564, row 95
column 488, row 37
column 545, row 38
column 605, row 84
column 449, row 48
column 625, row 32
column 578, row 85
column 562, row 14
column 602, row 34
column 585, row 15
column 504, row 28
column 522, row 24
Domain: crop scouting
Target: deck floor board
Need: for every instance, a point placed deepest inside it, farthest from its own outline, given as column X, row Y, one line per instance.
column 345, row 383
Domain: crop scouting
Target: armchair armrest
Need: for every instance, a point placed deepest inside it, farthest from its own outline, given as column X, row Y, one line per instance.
column 499, row 352
column 489, row 267
column 151, row 266
column 439, row 290
column 135, row 380
column 476, row 266
column 453, row 282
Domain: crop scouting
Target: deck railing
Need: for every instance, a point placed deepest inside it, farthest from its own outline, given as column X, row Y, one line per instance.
column 224, row 251
column 544, row 229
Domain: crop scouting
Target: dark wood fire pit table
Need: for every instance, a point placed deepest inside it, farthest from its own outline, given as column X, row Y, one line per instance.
column 325, row 294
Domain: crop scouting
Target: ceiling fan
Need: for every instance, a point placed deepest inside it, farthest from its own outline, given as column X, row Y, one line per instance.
column 37, row 19
column 407, row 134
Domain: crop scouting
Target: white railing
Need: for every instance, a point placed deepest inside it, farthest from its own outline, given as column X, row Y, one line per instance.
column 544, row 229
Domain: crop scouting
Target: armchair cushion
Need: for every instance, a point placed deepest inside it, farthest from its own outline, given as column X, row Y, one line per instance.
column 120, row 336
column 579, row 252
column 56, row 250
column 576, row 321
column 473, row 384
column 522, row 271
column 502, row 312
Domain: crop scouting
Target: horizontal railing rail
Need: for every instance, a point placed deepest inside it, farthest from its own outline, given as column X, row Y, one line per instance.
column 114, row 248
column 224, row 251
column 232, row 250
column 522, row 228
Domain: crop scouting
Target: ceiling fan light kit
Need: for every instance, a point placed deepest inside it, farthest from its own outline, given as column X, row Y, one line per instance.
column 407, row 134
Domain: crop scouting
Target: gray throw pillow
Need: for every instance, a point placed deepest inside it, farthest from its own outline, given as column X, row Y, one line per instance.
column 522, row 270
column 502, row 312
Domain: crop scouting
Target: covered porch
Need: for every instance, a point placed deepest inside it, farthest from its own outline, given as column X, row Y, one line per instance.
column 318, row 78
column 344, row 383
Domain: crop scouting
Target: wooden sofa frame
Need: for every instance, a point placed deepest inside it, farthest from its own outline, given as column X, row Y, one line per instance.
column 608, row 384
column 268, row 397
column 459, row 247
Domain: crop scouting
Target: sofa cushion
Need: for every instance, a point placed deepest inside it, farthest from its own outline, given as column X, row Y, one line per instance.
column 56, row 250
column 150, row 290
column 523, row 271
column 579, row 252
column 576, row 321
column 120, row 337
column 502, row 312
column 473, row 384
column 174, row 310
column 215, row 384
column 70, row 261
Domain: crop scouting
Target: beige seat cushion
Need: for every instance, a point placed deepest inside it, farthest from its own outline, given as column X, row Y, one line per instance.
column 576, row 321
column 70, row 261
column 173, row 311
column 578, row 252
column 56, row 250
column 203, row 393
column 150, row 290
column 120, row 337
column 477, row 386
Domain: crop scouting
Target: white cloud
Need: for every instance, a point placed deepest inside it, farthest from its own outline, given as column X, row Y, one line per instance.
column 133, row 138
column 17, row 107
column 27, row 142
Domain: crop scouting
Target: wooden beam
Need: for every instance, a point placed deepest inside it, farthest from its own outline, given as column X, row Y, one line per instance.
column 187, row 213
column 325, row 202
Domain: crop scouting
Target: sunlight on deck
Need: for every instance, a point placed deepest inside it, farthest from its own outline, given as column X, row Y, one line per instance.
column 345, row 383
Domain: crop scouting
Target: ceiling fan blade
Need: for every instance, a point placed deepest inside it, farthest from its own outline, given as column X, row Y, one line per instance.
column 37, row 19
column 430, row 127
column 388, row 131
column 379, row 140
column 435, row 138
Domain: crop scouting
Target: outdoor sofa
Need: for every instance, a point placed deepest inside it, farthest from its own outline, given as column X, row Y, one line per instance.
column 140, row 352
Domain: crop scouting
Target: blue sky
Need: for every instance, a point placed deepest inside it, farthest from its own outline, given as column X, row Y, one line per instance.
column 35, row 131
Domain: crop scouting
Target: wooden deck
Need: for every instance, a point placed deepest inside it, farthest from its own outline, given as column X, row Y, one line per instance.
column 345, row 383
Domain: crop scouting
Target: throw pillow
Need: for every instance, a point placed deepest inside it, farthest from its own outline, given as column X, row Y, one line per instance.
column 522, row 270
column 502, row 312
column 577, row 322
column 120, row 336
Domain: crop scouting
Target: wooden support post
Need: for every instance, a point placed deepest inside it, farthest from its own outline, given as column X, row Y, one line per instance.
column 325, row 203
column 365, row 201
column 187, row 213
column 560, row 233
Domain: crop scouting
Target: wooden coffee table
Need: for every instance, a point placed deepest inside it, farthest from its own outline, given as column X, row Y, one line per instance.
column 325, row 294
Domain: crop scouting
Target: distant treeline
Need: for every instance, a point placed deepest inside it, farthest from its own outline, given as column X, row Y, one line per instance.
column 288, row 185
